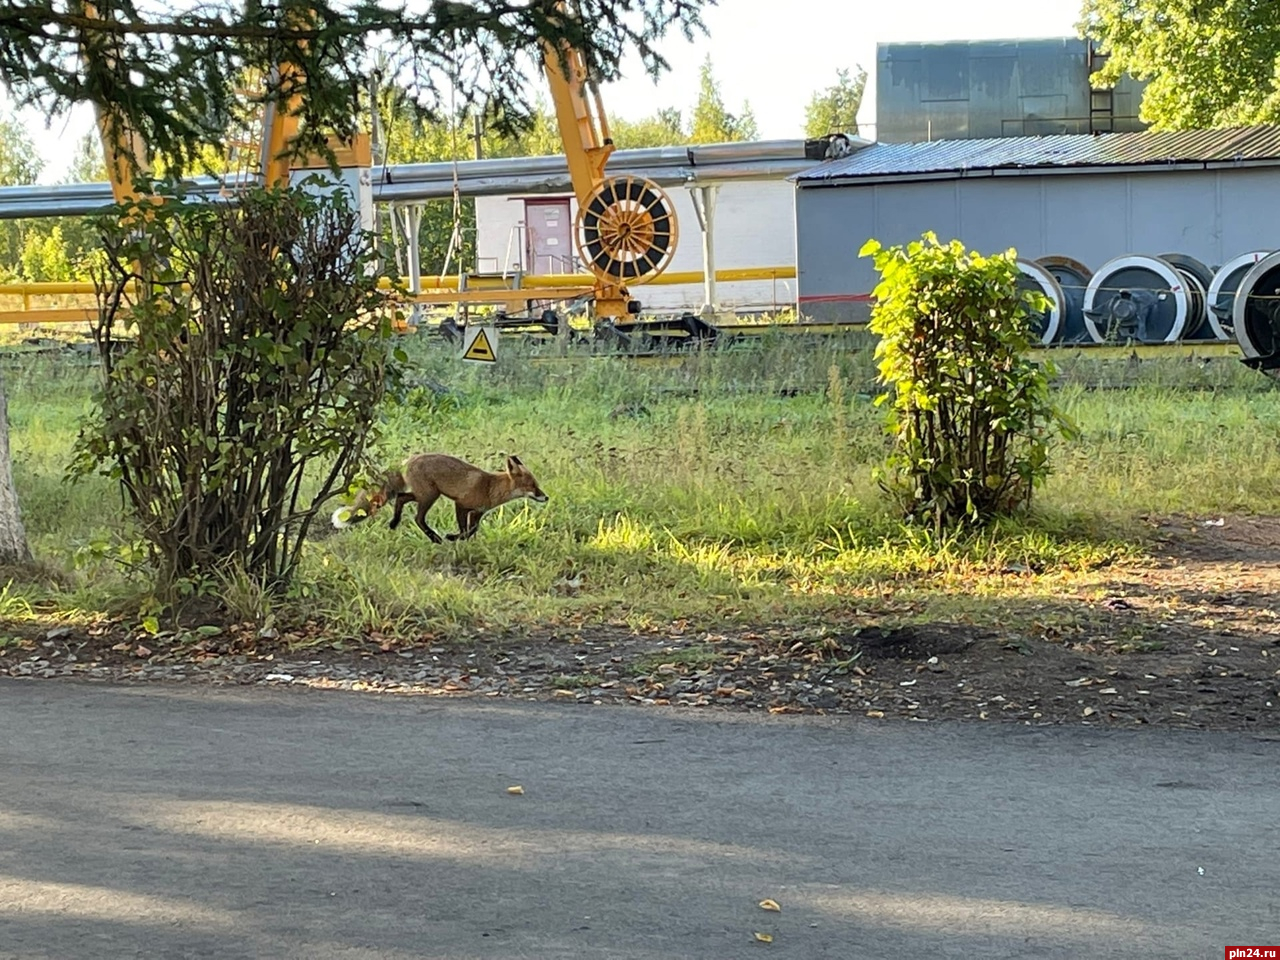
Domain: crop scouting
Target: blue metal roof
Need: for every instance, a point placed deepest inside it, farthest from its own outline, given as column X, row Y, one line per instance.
column 907, row 161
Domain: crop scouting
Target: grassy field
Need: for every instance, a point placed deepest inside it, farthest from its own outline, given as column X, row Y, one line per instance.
column 725, row 487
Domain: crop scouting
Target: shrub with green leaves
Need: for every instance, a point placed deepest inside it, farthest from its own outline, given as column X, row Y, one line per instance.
column 254, row 373
column 971, row 415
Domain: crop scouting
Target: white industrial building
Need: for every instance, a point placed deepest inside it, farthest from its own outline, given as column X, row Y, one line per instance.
column 530, row 231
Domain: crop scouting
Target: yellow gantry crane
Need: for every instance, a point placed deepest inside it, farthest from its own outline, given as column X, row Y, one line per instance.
column 625, row 229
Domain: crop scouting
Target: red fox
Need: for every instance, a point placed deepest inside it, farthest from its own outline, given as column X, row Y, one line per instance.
column 428, row 476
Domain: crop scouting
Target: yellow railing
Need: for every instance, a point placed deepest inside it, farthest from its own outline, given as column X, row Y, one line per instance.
column 29, row 302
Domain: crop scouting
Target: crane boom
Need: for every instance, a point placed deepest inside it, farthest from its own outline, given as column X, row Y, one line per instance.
column 626, row 229
column 584, row 131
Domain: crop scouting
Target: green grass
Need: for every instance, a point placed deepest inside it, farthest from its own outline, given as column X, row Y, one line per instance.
column 729, row 486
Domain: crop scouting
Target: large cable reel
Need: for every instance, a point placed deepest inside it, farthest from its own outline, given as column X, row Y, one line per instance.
column 1073, row 279
column 1201, row 325
column 626, row 230
column 1140, row 298
column 1255, row 313
column 1038, row 278
column 1222, row 292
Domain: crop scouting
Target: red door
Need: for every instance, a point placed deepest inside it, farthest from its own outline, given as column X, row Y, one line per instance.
column 548, row 236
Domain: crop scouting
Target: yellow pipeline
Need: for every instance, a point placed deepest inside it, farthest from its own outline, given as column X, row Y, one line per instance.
column 45, row 289
column 669, row 278
column 473, row 283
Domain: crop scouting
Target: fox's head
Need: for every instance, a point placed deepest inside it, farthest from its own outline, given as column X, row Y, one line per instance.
column 522, row 482
column 364, row 507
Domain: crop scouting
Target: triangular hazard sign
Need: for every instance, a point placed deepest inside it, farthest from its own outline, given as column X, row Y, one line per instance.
column 480, row 350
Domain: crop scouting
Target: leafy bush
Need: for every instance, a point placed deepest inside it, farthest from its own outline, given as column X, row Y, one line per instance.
column 259, row 352
column 971, row 415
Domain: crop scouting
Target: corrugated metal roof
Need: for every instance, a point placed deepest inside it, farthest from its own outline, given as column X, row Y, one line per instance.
column 912, row 160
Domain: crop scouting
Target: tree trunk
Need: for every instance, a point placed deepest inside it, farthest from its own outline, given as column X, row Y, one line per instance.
column 13, row 537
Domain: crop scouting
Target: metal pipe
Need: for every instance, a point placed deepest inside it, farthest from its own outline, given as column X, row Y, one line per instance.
column 668, row 166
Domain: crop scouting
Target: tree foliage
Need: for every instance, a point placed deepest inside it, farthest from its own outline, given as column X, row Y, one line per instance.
column 665, row 128
column 44, row 256
column 88, row 165
column 173, row 77
column 48, row 248
column 835, row 109
column 254, row 377
column 258, row 330
column 1207, row 63
column 19, row 164
column 971, row 417
column 711, row 121
column 19, row 160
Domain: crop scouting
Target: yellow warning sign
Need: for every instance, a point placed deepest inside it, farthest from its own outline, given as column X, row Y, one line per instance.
column 481, row 345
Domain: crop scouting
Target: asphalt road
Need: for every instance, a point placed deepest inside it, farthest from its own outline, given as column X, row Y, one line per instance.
column 166, row 822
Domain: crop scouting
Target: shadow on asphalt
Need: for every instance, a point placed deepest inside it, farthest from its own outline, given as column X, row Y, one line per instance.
column 228, row 824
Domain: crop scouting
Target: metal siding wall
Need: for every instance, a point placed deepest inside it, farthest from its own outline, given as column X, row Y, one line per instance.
column 1247, row 219
column 1212, row 215
column 904, row 211
column 993, row 210
column 834, row 223
column 831, row 226
column 1174, row 213
column 755, row 227
column 1083, row 216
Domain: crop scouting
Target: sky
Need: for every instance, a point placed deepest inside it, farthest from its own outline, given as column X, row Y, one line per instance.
column 770, row 54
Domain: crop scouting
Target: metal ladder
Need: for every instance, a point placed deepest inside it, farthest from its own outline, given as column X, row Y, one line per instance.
column 1102, row 100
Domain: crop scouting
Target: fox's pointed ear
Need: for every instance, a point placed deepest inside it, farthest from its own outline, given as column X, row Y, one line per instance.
column 513, row 462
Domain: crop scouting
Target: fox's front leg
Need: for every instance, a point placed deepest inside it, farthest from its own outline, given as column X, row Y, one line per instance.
column 468, row 523
column 473, row 524
column 476, row 515
column 461, row 513
column 401, row 500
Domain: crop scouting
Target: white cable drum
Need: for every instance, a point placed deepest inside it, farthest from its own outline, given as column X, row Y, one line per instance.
column 1262, row 280
column 1197, row 327
column 1156, row 281
column 1197, row 311
column 1038, row 277
column 1189, row 264
column 1073, row 277
column 1222, row 290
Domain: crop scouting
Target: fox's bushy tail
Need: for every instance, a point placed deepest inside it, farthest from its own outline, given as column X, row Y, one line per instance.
column 366, row 504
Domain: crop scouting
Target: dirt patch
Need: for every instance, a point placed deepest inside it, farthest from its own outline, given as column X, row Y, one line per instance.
column 1211, row 541
column 910, row 643
column 1190, row 638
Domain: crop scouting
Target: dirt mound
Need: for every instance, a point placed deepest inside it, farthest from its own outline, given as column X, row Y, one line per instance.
column 912, row 643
